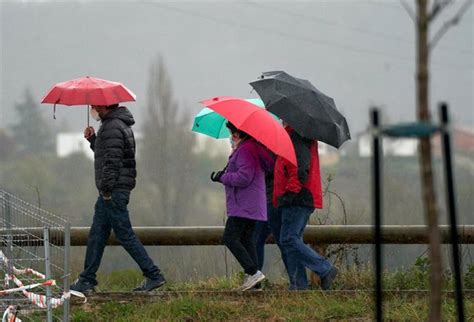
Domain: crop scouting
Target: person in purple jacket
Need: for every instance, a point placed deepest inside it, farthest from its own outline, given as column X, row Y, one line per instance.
column 244, row 181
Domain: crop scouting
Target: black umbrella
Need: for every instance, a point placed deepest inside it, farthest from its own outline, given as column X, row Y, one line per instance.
column 308, row 111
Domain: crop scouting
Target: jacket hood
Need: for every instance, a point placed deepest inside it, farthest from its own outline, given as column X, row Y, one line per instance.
column 121, row 113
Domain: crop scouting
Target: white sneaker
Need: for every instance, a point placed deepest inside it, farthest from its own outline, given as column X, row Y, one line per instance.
column 251, row 280
column 246, row 277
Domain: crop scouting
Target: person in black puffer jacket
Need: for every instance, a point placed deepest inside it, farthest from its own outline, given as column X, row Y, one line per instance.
column 114, row 152
column 115, row 173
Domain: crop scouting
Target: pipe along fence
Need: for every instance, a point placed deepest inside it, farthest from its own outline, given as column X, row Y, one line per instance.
column 314, row 234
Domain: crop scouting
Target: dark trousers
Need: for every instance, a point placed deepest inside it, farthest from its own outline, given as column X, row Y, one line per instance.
column 238, row 237
column 296, row 271
column 260, row 235
column 114, row 215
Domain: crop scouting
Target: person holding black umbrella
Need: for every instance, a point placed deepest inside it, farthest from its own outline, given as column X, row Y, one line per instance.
column 297, row 192
column 310, row 116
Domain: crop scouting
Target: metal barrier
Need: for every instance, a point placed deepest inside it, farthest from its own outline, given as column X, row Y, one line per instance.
column 212, row 235
column 36, row 270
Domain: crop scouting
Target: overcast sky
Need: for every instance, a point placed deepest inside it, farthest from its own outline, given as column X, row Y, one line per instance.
column 358, row 52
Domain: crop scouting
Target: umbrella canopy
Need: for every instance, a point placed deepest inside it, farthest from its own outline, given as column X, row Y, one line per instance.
column 307, row 110
column 256, row 122
column 212, row 124
column 88, row 91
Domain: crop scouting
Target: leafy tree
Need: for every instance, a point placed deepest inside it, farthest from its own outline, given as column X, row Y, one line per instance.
column 7, row 145
column 167, row 150
column 31, row 132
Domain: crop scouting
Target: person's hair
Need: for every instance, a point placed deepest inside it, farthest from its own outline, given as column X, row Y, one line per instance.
column 243, row 135
column 111, row 107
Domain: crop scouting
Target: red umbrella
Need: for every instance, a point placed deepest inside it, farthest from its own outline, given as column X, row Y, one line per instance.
column 88, row 91
column 255, row 121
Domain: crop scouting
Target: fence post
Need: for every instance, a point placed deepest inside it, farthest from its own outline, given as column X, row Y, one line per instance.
column 451, row 201
column 47, row 254
column 377, row 151
column 9, row 248
column 67, row 273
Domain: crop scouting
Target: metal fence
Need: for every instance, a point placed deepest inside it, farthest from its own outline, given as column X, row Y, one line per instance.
column 31, row 263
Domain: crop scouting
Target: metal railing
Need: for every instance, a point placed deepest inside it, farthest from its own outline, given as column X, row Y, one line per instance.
column 314, row 234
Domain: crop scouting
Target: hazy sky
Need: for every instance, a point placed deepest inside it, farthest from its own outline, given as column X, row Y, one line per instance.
column 359, row 52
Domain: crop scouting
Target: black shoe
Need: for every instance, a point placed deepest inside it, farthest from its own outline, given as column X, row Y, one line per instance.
column 326, row 281
column 82, row 286
column 150, row 284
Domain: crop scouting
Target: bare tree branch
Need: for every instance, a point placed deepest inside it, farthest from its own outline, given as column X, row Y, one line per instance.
column 409, row 10
column 452, row 22
column 438, row 6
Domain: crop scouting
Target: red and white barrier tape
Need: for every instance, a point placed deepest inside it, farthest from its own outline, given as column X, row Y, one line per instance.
column 10, row 315
column 37, row 299
column 17, row 271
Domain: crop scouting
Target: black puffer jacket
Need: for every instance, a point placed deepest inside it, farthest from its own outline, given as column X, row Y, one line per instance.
column 114, row 152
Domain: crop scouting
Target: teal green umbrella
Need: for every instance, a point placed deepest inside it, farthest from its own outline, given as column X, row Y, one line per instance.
column 212, row 124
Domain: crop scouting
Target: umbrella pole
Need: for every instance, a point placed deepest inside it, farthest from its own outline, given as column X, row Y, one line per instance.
column 88, row 115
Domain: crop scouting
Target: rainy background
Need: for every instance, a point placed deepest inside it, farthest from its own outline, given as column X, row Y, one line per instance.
column 174, row 54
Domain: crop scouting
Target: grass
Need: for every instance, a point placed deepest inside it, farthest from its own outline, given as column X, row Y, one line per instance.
column 297, row 307
column 355, row 278
column 355, row 303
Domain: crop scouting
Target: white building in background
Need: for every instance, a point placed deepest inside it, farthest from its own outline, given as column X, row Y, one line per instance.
column 328, row 155
column 68, row 143
column 391, row 146
column 72, row 142
column 213, row 147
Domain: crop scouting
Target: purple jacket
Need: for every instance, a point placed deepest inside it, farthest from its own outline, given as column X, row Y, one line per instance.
column 244, row 181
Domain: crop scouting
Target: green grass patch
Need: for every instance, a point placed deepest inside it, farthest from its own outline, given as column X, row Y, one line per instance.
column 295, row 307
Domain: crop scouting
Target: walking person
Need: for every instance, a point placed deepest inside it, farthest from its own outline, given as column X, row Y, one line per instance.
column 244, row 181
column 264, row 229
column 115, row 173
column 297, row 192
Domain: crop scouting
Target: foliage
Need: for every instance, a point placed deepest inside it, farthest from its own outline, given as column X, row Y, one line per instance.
column 469, row 277
column 167, row 150
column 30, row 131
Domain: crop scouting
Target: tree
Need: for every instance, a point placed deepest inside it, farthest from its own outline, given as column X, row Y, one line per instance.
column 168, row 160
column 7, row 145
column 30, row 132
column 423, row 19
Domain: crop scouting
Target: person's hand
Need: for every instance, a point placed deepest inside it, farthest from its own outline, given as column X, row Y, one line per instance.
column 216, row 177
column 88, row 132
column 287, row 199
column 107, row 196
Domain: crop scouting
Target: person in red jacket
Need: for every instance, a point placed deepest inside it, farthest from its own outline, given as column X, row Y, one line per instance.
column 296, row 193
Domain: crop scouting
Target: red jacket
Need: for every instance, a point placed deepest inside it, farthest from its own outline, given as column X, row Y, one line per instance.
column 300, row 186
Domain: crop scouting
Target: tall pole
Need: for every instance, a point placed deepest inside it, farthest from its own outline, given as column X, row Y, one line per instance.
column 451, row 200
column 377, row 209
column 427, row 182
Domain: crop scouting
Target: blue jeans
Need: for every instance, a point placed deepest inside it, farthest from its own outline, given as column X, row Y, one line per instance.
column 297, row 275
column 114, row 215
column 294, row 220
